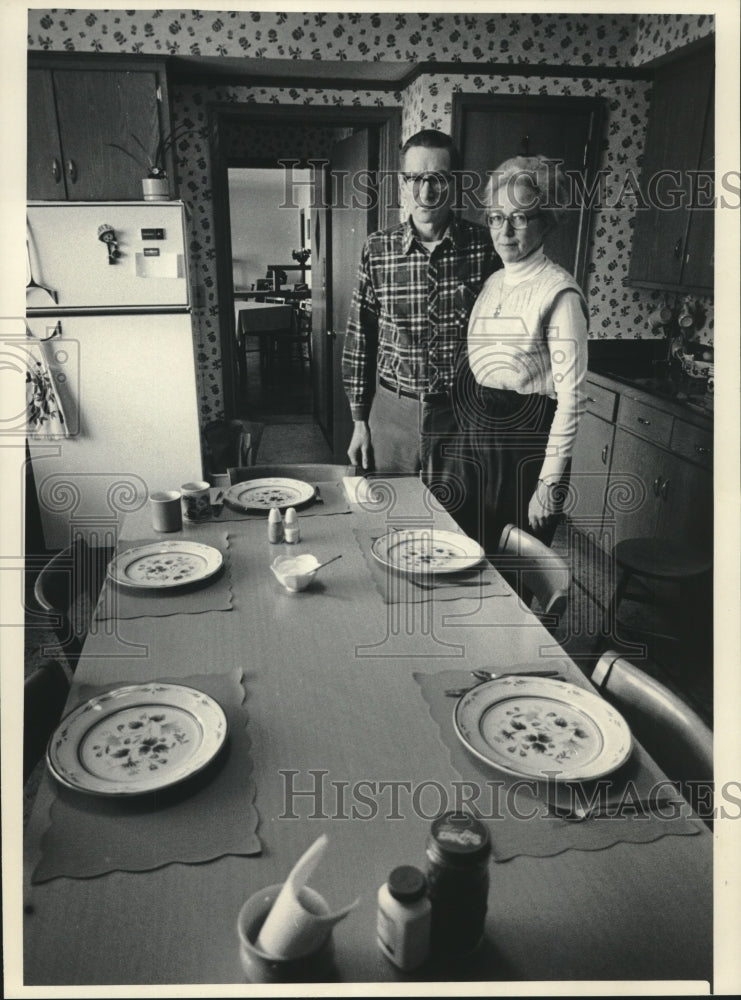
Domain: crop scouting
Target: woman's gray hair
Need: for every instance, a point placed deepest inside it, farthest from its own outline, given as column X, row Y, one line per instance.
column 544, row 176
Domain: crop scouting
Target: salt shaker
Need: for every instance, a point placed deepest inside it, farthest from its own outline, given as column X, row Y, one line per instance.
column 403, row 922
column 292, row 529
column 275, row 526
column 458, row 850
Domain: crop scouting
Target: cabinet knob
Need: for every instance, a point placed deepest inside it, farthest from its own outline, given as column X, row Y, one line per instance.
column 665, row 489
column 657, row 486
column 642, row 420
column 701, row 450
column 72, row 171
column 678, row 249
column 56, row 170
column 605, row 450
column 591, row 399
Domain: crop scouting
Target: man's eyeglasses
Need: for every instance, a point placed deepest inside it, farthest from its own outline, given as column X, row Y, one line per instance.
column 518, row 220
column 436, row 180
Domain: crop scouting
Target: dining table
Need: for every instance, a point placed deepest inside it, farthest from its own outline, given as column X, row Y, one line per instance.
column 340, row 724
column 266, row 321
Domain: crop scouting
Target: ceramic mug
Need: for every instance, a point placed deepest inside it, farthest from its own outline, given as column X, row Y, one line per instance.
column 195, row 500
column 165, row 508
column 258, row 966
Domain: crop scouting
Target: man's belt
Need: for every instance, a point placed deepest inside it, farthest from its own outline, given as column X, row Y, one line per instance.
column 421, row 397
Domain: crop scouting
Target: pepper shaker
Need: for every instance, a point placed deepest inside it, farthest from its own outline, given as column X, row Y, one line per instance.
column 292, row 530
column 275, row 526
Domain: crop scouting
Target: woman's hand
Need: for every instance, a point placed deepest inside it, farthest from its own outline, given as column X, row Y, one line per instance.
column 542, row 507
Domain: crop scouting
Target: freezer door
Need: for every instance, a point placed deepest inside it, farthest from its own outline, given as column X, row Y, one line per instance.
column 128, row 388
column 119, row 256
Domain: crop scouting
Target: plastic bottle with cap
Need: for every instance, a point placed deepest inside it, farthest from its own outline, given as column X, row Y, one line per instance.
column 403, row 921
column 275, row 526
column 292, row 530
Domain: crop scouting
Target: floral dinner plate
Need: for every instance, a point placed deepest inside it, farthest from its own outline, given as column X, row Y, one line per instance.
column 427, row 550
column 262, row 494
column 538, row 727
column 165, row 564
column 137, row 738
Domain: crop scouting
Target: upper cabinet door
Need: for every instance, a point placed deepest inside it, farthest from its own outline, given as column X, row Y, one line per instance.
column 96, row 108
column 492, row 128
column 679, row 140
column 45, row 172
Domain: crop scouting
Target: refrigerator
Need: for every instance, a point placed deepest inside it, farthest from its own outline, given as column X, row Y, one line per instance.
column 112, row 408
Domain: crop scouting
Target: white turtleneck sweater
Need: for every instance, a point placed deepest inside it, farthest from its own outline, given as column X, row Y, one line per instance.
column 528, row 333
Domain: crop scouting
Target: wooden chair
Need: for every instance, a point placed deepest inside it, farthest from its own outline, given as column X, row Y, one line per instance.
column 67, row 588
column 307, row 472
column 672, row 732
column 536, row 571
column 44, row 696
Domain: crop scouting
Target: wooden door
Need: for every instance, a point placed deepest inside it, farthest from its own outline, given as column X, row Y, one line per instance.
column 321, row 344
column 95, row 109
column 45, row 174
column 351, row 221
column 491, row 129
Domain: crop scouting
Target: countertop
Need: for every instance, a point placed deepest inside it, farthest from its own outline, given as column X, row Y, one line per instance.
column 683, row 396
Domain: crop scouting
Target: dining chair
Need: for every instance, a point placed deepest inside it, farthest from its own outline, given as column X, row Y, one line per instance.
column 672, row 732
column 536, row 571
column 45, row 693
column 314, row 472
column 67, row 588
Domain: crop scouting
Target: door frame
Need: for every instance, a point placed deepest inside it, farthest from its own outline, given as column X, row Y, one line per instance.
column 595, row 106
column 388, row 122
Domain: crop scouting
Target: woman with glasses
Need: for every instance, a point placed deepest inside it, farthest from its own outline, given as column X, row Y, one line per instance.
column 520, row 386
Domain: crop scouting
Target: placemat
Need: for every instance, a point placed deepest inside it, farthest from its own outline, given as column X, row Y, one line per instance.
column 332, row 500
column 210, row 815
column 532, row 830
column 213, row 594
column 400, row 588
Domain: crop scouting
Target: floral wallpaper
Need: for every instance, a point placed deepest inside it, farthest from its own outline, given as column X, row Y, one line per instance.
column 579, row 39
column 576, row 40
column 258, row 142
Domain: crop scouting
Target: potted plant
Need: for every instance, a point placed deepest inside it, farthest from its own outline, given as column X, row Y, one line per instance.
column 155, row 186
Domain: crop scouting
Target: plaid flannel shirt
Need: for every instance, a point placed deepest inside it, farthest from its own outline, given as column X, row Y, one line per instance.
column 410, row 309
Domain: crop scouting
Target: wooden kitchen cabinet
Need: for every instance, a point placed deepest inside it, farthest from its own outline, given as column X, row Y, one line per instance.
column 673, row 237
column 641, row 469
column 592, row 458
column 75, row 112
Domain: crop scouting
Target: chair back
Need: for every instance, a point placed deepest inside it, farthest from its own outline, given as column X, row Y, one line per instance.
column 537, row 569
column 44, row 696
column 672, row 732
column 67, row 588
column 306, row 472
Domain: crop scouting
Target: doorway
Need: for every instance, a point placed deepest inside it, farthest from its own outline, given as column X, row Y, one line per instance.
column 250, row 137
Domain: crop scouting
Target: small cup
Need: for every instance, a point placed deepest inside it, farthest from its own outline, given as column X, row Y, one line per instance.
column 258, row 966
column 195, row 500
column 165, row 507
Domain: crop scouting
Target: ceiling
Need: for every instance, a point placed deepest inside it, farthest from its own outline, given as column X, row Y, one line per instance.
column 376, row 75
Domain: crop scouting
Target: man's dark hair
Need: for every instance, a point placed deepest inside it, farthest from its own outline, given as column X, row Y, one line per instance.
column 430, row 138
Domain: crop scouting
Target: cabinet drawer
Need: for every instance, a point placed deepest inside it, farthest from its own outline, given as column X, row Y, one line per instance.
column 600, row 401
column 640, row 418
column 693, row 443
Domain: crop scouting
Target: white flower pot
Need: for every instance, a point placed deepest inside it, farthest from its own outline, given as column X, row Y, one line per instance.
column 155, row 189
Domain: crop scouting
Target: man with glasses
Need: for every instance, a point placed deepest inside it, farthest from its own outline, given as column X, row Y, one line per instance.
column 417, row 284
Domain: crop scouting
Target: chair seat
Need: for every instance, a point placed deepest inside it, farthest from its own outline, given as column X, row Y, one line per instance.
column 660, row 559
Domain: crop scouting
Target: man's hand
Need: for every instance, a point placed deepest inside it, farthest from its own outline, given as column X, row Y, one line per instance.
column 359, row 448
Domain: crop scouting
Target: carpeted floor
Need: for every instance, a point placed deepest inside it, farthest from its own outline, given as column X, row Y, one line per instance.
column 293, row 442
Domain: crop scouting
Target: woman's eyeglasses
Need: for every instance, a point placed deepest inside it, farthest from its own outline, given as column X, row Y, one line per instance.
column 518, row 220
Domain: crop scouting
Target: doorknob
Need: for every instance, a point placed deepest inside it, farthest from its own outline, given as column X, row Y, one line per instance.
column 331, row 334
